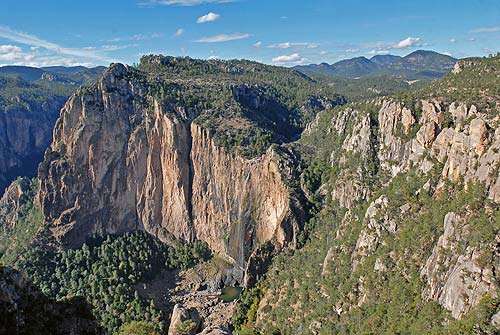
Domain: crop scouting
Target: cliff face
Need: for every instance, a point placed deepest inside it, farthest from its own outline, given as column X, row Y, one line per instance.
column 25, row 133
column 122, row 160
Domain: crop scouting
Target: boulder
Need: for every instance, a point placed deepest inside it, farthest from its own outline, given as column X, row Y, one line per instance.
column 216, row 331
column 184, row 321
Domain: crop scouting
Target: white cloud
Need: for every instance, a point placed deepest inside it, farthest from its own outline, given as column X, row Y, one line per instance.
column 34, row 41
column 37, row 61
column 258, row 44
column 485, row 30
column 46, row 53
column 179, row 32
column 383, row 47
column 287, row 45
column 14, row 55
column 352, row 50
column 110, row 47
column 152, row 3
column 289, row 59
column 453, row 40
column 223, row 38
column 407, row 43
column 136, row 37
column 113, row 47
column 9, row 48
column 379, row 52
column 210, row 17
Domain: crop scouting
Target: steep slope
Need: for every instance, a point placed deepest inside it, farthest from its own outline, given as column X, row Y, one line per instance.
column 25, row 310
column 180, row 148
column 30, row 101
column 406, row 235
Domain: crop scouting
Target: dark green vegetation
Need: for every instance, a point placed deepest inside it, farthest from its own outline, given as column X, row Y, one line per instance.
column 78, row 75
column 138, row 328
column 244, row 320
column 16, row 93
column 105, row 271
column 308, row 294
column 327, row 286
column 416, row 66
column 28, row 112
column 247, row 105
column 369, row 87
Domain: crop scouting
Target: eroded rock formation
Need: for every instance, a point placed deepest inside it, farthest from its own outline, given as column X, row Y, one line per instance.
column 122, row 160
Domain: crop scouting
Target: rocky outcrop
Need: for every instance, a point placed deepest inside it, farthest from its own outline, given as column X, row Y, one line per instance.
column 123, row 160
column 184, row 321
column 457, row 278
column 375, row 223
column 216, row 331
column 12, row 201
column 355, row 130
column 467, row 144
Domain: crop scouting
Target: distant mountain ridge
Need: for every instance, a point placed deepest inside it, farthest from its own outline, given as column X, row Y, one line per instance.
column 420, row 64
column 73, row 74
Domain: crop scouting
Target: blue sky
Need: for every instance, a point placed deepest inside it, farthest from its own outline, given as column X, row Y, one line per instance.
column 281, row 32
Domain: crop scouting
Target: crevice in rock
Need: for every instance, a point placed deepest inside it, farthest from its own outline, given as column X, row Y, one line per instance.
column 189, row 198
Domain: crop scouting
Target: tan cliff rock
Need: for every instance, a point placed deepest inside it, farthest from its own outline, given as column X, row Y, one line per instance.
column 122, row 160
column 457, row 280
column 468, row 151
